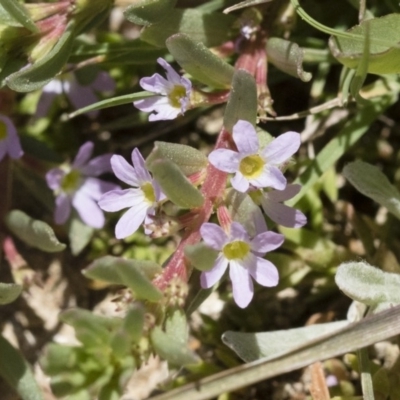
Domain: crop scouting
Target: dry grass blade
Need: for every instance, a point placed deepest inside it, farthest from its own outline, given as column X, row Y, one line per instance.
column 318, row 388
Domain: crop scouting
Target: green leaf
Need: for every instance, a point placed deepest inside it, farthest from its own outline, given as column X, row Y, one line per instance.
column 44, row 70
column 212, row 29
column 134, row 322
column 253, row 346
column 147, row 12
column 79, row 234
column 16, row 371
column 33, row 232
column 353, row 337
column 9, row 292
column 171, row 344
column 175, row 185
column 384, row 52
column 242, row 103
column 367, row 284
column 347, row 137
column 115, row 101
column 288, row 57
column 187, row 158
column 201, row 256
column 19, row 13
column 197, row 60
column 103, row 269
column 373, row 183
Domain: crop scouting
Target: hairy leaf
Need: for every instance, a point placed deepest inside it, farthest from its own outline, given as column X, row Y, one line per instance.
column 147, row 12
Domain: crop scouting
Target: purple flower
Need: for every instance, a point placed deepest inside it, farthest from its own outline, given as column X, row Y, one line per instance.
column 252, row 165
column 279, row 213
column 175, row 92
column 75, row 185
column 79, row 95
column 9, row 140
column 243, row 255
column 141, row 200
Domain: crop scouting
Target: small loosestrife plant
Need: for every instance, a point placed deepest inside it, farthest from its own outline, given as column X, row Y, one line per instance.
column 178, row 173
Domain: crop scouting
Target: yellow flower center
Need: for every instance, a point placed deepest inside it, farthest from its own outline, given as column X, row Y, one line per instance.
column 3, row 130
column 176, row 94
column 236, row 250
column 70, row 181
column 251, row 166
column 148, row 191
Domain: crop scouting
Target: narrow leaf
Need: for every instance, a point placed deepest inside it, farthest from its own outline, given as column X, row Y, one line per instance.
column 197, row 60
column 146, row 12
column 373, row 183
column 33, row 232
column 18, row 11
column 175, row 185
column 9, row 292
column 242, row 103
column 16, row 371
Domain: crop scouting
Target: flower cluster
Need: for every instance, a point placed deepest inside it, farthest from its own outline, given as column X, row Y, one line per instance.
column 77, row 185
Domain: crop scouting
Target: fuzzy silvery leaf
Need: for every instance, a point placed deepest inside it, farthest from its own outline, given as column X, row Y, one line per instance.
column 79, row 234
column 188, row 159
column 253, row 346
column 198, row 61
column 242, row 103
column 373, row 183
column 288, row 57
column 9, row 292
column 367, row 284
column 33, row 232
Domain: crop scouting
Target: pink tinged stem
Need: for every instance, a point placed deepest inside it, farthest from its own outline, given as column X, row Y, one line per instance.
column 212, row 190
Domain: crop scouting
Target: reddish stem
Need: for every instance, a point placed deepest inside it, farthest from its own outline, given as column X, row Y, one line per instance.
column 212, row 189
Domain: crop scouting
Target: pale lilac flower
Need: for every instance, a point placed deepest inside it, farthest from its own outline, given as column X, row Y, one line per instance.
column 75, row 185
column 79, row 95
column 252, row 165
column 9, row 140
column 175, row 92
column 279, row 213
column 243, row 255
column 141, row 200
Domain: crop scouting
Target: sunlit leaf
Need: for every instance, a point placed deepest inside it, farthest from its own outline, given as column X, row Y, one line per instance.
column 201, row 256
column 79, row 234
column 146, row 12
column 9, row 292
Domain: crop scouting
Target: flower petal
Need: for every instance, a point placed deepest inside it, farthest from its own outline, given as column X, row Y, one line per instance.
column 54, row 178
column 88, row 210
column 119, row 199
column 238, row 232
column 282, row 148
column 225, row 160
column 165, row 113
column 139, row 164
column 270, row 177
column 14, row 148
column 240, row 183
column 103, row 82
column 242, row 285
column 263, row 271
column 63, row 208
column 82, row 96
column 95, row 188
column 213, row 235
column 156, row 84
column 130, row 222
column 172, row 75
column 211, row 277
column 245, row 137
column 283, row 215
column 124, row 171
column 282, row 195
column 267, row 241
column 98, row 165
column 151, row 103
column 83, row 156
column 45, row 101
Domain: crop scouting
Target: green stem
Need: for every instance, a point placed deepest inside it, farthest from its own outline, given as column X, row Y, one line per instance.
column 366, row 378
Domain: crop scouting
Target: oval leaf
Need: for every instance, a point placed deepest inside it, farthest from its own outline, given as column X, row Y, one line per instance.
column 242, row 103
column 9, row 292
column 384, row 53
column 197, row 60
column 79, row 234
column 367, row 284
column 371, row 182
column 201, row 256
column 146, row 12
column 15, row 370
column 288, row 57
column 175, row 185
column 33, row 232
column 188, row 159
